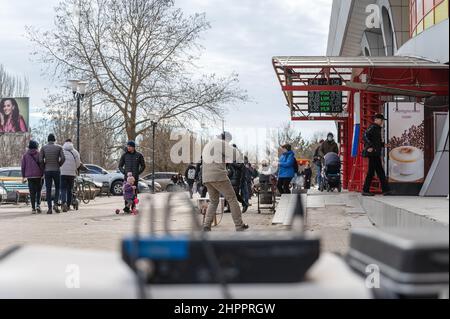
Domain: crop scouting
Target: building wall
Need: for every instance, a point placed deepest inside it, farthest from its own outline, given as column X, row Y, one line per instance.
column 408, row 27
column 340, row 15
column 432, row 44
column 429, row 30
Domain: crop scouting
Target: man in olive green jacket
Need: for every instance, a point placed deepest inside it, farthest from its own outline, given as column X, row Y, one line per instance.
column 216, row 155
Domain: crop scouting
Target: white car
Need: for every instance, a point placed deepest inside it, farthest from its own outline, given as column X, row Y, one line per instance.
column 99, row 175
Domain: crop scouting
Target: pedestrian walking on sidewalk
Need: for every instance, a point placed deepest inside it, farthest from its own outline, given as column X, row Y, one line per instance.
column 373, row 150
column 236, row 176
column 132, row 162
column 307, row 173
column 52, row 157
column 329, row 146
column 317, row 159
column 250, row 173
column 69, row 171
column 201, row 188
column 216, row 155
column 32, row 171
column 190, row 174
column 288, row 168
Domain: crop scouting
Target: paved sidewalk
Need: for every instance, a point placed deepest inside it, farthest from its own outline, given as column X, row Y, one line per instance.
column 96, row 226
column 332, row 216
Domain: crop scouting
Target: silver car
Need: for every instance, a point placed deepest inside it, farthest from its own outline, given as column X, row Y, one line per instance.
column 115, row 179
column 164, row 179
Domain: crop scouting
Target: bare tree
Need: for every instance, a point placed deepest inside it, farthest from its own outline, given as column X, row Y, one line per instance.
column 138, row 57
column 287, row 134
column 11, row 85
column 60, row 119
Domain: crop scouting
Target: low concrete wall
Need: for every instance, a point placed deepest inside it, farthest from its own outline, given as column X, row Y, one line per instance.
column 385, row 214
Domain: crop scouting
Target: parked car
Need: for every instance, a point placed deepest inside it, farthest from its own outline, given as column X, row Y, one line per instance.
column 99, row 175
column 11, row 172
column 11, row 182
column 3, row 194
column 164, row 179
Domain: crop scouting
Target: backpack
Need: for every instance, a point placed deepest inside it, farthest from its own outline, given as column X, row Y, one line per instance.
column 191, row 173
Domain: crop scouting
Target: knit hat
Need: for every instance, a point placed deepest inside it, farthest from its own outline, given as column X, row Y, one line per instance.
column 33, row 145
column 51, row 138
column 132, row 144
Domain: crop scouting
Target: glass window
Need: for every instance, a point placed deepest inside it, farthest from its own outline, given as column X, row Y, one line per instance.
column 428, row 6
column 419, row 8
column 420, row 27
column 429, row 20
column 414, row 17
column 4, row 173
column 15, row 173
column 441, row 12
column 94, row 168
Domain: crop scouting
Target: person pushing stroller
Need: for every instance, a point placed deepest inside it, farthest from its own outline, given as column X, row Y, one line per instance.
column 331, row 173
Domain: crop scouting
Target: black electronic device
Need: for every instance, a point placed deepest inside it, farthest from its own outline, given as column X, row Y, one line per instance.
column 410, row 262
column 242, row 258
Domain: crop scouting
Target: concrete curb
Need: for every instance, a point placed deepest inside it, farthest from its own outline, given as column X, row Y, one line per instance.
column 384, row 214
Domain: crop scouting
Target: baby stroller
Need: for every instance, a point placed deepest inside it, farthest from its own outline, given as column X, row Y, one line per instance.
column 266, row 193
column 331, row 173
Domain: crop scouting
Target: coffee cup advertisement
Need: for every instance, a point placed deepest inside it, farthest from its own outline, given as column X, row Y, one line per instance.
column 406, row 138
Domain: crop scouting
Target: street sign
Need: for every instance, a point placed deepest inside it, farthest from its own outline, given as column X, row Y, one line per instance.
column 325, row 101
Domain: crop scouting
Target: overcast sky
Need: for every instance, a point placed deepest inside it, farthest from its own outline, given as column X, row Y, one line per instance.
column 245, row 35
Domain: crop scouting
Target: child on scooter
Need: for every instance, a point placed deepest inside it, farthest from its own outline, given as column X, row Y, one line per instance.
column 129, row 194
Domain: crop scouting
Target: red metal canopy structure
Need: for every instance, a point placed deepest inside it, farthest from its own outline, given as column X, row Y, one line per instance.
column 376, row 79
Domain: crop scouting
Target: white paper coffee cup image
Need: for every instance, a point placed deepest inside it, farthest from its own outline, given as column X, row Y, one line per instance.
column 406, row 160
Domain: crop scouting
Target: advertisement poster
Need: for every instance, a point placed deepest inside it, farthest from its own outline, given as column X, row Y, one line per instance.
column 406, row 136
column 14, row 115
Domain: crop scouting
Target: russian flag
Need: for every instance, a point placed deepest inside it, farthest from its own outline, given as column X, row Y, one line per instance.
column 357, row 125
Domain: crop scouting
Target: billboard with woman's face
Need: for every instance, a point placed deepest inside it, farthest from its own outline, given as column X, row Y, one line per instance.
column 14, row 115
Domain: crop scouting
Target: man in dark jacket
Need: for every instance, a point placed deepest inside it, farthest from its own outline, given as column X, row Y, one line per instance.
column 236, row 175
column 52, row 158
column 373, row 149
column 132, row 162
column 329, row 146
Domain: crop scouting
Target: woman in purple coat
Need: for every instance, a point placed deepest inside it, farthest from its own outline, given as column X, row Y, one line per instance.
column 32, row 171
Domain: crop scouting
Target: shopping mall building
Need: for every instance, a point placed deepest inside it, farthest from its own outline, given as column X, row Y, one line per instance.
column 416, row 28
column 385, row 56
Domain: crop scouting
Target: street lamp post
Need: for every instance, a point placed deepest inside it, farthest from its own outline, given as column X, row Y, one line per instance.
column 79, row 91
column 154, row 124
